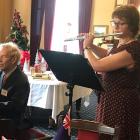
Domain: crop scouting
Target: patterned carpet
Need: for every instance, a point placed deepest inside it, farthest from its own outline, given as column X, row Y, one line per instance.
column 87, row 111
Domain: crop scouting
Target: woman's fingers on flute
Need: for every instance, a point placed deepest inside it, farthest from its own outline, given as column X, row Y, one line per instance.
column 89, row 36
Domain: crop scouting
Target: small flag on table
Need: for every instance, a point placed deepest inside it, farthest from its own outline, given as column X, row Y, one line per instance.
column 63, row 132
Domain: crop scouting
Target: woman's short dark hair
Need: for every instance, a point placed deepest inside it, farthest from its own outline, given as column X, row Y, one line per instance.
column 130, row 14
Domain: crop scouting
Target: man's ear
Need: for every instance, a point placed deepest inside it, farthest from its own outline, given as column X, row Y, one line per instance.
column 13, row 60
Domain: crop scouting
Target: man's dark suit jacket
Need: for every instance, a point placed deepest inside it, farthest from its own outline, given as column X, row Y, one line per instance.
column 13, row 105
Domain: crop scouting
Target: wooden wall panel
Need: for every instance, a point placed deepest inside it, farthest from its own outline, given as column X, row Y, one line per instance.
column 6, row 11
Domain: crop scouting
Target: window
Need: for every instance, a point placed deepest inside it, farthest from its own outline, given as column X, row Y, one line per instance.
column 65, row 26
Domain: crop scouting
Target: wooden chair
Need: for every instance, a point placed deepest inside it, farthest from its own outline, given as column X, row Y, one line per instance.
column 90, row 130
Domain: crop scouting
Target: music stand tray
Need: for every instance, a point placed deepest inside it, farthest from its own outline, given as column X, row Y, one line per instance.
column 72, row 68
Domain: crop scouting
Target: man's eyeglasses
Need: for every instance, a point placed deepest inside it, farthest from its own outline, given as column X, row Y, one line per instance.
column 113, row 23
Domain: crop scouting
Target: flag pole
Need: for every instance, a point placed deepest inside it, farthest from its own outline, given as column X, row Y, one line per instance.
column 69, row 93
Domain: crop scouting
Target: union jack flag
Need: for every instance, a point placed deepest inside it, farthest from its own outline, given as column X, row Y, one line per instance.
column 66, row 122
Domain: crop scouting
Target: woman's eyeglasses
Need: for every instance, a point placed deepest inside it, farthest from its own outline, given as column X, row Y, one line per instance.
column 113, row 23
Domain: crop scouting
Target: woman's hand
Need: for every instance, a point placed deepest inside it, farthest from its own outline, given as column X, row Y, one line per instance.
column 88, row 41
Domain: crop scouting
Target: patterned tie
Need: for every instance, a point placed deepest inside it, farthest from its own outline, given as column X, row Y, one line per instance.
column 4, row 79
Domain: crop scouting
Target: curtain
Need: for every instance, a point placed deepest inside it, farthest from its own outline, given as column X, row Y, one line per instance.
column 49, row 18
column 85, row 7
column 37, row 12
column 135, row 2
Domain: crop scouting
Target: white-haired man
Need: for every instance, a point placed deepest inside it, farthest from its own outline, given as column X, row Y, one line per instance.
column 14, row 85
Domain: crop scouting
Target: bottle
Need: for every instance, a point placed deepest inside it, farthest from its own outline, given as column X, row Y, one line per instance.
column 43, row 65
column 37, row 64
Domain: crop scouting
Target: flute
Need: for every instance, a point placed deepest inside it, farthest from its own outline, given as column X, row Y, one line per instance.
column 82, row 37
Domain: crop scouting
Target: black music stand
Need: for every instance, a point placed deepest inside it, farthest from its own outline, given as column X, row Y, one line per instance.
column 73, row 69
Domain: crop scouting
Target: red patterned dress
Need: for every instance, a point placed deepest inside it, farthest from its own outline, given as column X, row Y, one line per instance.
column 119, row 104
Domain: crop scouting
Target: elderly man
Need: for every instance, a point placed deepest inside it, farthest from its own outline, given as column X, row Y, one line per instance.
column 14, row 85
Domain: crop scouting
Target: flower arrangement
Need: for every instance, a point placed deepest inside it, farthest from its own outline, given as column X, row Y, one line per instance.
column 18, row 33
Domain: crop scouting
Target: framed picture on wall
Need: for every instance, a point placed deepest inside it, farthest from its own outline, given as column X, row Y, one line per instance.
column 100, row 29
column 120, row 2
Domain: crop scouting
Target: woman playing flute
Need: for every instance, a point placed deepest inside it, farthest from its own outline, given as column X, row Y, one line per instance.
column 119, row 104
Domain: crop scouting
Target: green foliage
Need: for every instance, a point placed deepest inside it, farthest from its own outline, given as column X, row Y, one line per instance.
column 18, row 33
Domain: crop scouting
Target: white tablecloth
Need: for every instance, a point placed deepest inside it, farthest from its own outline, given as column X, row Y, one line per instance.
column 50, row 94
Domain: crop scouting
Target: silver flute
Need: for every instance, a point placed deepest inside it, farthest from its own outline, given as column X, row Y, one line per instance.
column 82, row 37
